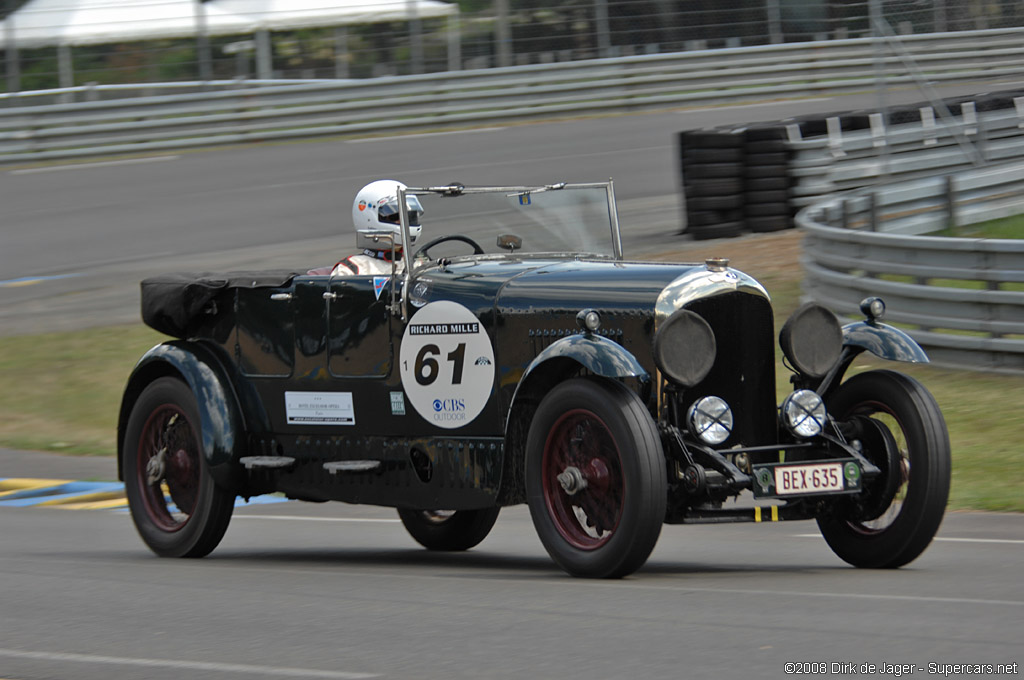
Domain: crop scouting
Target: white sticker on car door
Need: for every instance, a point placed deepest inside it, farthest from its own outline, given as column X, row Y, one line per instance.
column 447, row 364
column 319, row 408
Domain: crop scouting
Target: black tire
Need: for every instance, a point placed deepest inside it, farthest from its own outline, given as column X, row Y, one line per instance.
column 705, row 203
column 757, row 197
column 768, row 209
column 712, row 170
column 891, row 531
column 757, row 134
column 767, row 184
column 607, row 527
column 178, row 509
column 720, row 155
column 768, row 158
column 707, row 218
column 721, row 230
column 764, row 225
column 714, row 187
column 450, row 531
column 766, row 171
column 718, row 140
column 767, row 146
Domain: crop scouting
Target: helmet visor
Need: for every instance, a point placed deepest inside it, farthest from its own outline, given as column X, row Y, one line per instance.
column 388, row 212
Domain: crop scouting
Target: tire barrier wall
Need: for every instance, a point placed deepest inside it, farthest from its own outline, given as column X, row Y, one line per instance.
column 735, row 181
column 962, row 299
column 779, row 167
column 44, row 125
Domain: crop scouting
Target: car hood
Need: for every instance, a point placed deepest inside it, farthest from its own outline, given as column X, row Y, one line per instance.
column 578, row 284
column 535, row 284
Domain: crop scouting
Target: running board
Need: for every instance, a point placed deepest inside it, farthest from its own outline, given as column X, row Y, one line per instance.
column 266, row 462
column 336, row 466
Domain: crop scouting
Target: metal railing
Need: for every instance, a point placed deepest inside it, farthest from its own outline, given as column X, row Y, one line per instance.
column 466, row 98
column 841, row 160
column 962, row 299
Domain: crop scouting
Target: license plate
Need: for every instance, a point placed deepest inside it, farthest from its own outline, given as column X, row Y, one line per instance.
column 782, row 479
column 790, row 479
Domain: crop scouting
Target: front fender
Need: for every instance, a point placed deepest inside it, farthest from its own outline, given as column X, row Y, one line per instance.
column 598, row 355
column 565, row 357
column 560, row 361
column 883, row 341
column 222, row 426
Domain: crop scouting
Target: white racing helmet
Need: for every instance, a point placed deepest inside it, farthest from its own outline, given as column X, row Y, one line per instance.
column 376, row 207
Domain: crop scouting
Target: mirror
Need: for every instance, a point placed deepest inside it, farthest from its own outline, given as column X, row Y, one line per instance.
column 371, row 239
column 510, row 242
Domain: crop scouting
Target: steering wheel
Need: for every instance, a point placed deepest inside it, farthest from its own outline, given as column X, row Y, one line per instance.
column 477, row 250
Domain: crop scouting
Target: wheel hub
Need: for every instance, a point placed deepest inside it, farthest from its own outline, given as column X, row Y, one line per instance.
column 572, row 480
column 156, row 467
column 182, row 466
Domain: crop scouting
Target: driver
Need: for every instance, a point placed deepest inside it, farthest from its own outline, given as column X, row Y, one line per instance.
column 375, row 208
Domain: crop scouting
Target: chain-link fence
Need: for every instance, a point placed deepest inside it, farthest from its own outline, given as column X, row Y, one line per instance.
column 469, row 35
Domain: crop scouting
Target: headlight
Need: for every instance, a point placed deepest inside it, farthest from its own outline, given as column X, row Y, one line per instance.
column 873, row 308
column 803, row 413
column 588, row 320
column 684, row 348
column 812, row 340
column 710, row 418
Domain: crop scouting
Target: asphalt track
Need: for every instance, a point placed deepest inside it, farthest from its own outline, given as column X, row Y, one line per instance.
column 335, row 591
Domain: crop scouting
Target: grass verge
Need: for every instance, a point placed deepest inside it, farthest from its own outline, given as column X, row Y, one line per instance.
column 61, row 391
column 1004, row 227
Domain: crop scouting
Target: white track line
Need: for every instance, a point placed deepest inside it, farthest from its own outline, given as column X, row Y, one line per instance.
column 185, row 665
column 95, row 164
column 400, row 137
column 306, row 518
column 1005, row 541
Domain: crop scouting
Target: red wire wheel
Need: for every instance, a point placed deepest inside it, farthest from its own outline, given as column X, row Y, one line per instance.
column 582, row 476
column 595, row 478
column 168, row 472
column 177, row 507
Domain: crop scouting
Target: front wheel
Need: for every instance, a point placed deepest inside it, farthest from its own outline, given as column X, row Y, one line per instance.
column 448, row 529
column 178, row 509
column 595, row 478
column 905, row 435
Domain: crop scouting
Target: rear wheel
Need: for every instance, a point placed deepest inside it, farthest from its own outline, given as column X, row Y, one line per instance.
column 177, row 508
column 595, row 478
column 905, row 435
column 448, row 529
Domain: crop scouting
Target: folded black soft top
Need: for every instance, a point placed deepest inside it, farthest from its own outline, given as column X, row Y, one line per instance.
column 178, row 303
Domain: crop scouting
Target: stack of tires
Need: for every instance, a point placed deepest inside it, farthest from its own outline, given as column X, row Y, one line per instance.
column 712, row 172
column 736, row 180
column 749, row 179
column 766, row 180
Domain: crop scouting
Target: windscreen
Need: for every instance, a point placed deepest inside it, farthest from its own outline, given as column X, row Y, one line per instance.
column 566, row 220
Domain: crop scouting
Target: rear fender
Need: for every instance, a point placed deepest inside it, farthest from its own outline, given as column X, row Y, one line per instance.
column 222, row 426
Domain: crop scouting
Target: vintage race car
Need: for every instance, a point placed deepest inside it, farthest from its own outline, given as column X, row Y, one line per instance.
column 612, row 396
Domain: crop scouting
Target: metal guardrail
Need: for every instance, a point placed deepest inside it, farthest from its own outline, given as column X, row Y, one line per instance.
column 459, row 98
column 961, row 298
column 842, row 160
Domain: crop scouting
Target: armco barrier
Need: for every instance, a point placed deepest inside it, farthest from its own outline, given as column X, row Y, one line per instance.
column 104, row 126
column 962, row 299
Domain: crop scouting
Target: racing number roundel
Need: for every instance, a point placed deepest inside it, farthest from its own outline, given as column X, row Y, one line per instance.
column 447, row 364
